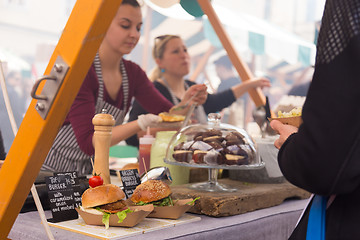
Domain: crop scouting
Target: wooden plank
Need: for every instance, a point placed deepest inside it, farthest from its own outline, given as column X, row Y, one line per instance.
column 249, row 197
column 241, row 67
column 77, row 45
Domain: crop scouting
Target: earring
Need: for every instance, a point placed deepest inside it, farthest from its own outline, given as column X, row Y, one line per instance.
column 162, row 70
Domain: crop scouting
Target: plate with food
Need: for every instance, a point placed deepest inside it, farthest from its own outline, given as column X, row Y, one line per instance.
column 105, row 205
column 292, row 117
column 169, row 117
column 169, row 121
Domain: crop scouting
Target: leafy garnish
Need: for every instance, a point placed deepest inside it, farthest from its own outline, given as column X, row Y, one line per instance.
column 122, row 215
column 141, row 203
column 164, row 202
column 105, row 219
column 193, row 201
column 160, row 203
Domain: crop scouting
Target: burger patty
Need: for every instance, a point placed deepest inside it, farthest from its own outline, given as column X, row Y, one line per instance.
column 113, row 207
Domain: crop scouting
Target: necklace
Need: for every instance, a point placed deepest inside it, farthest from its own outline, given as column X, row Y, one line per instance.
column 173, row 97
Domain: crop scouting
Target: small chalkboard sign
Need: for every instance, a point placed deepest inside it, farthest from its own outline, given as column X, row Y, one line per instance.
column 75, row 185
column 61, row 197
column 130, row 179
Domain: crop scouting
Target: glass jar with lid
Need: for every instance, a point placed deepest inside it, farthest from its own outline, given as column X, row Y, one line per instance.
column 214, row 146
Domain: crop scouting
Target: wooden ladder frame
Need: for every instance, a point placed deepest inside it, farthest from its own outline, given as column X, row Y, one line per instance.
column 77, row 46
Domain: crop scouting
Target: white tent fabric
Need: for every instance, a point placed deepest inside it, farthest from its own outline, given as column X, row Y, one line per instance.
column 173, row 11
column 248, row 32
column 278, row 43
column 13, row 62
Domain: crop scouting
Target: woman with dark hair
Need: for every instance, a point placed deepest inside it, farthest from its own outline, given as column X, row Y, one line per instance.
column 110, row 84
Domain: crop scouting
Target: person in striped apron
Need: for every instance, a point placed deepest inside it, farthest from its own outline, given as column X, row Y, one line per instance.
column 322, row 156
column 110, row 84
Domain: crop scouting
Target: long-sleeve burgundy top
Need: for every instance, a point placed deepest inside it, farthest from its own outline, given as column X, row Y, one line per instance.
column 83, row 108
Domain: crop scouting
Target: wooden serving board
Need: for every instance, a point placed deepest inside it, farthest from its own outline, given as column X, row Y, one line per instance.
column 248, row 197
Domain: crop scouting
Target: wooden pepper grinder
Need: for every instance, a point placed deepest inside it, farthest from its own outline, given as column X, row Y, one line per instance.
column 103, row 124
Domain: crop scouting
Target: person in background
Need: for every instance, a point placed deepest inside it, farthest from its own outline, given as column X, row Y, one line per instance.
column 14, row 81
column 323, row 155
column 300, row 90
column 224, row 70
column 173, row 64
column 13, row 86
column 110, row 84
column 2, row 149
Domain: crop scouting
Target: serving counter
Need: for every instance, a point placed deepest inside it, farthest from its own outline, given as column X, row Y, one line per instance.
column 269, row 223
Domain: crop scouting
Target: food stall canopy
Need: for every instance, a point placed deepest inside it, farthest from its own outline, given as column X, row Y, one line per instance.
column 172, row 9
column 262, row 37
column 247, row 33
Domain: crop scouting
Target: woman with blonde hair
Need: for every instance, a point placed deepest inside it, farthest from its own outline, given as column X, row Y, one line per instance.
column 173, row 64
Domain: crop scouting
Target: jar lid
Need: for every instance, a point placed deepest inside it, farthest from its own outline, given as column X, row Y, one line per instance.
column 214, row 145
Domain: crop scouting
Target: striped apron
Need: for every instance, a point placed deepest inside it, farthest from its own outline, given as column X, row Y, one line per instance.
column 65, row 154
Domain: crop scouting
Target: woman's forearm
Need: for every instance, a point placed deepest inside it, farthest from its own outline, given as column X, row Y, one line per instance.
column 243, row 87
column 240, row 89
column 124, row 131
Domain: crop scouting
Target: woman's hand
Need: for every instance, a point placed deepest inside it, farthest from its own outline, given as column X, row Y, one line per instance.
column 241, row 88
column 196, row 94
column 146, row 120
column 283, row 130
column 259, row 82
column 199, row 91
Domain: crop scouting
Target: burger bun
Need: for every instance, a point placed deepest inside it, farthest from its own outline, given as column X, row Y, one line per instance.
column 101, row 195
column 150, row 191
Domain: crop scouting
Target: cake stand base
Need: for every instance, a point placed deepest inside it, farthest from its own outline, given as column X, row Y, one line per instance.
column 212, row 185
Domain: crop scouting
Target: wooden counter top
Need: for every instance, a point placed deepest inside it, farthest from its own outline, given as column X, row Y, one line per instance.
column 248, row 197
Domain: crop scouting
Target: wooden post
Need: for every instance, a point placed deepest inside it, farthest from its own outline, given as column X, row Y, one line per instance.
column 146, row 39
column 240, row 66
column 103, row 124
column 77, row 46
column 202, row 63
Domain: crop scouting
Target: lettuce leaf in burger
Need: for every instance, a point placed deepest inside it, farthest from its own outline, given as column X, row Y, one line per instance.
column 106, row 200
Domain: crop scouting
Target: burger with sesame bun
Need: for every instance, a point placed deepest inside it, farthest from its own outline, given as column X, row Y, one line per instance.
column 105, row 200
column 154, row 192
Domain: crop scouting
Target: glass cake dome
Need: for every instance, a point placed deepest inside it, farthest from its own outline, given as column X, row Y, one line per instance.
column 214, row 146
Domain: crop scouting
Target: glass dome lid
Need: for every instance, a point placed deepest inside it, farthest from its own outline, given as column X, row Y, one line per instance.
column 213, row 145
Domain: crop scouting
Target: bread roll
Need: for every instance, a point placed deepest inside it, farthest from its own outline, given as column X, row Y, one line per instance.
column 150, row 191
column 101, row 195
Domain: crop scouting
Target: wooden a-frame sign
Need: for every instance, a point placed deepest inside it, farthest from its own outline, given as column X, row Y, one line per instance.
column 77, row 47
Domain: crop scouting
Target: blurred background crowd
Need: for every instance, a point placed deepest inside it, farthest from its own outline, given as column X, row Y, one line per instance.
column 274, row 37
